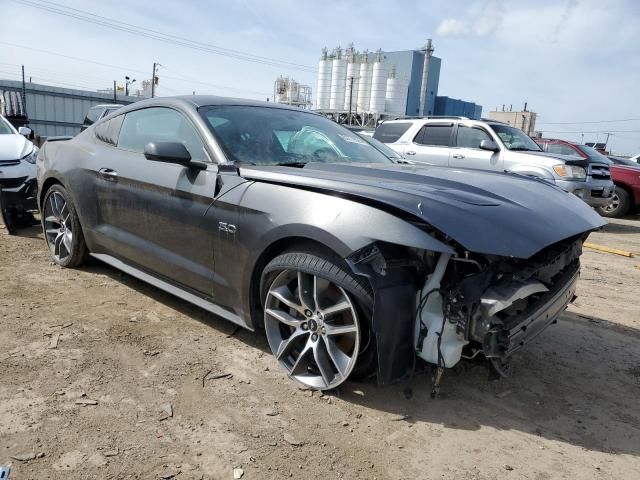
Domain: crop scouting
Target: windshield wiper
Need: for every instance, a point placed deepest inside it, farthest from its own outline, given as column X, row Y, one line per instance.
column 523, row 149
column 291, row 164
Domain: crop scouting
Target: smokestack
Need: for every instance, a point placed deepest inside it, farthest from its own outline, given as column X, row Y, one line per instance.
column 428, row 53
column 525, row 106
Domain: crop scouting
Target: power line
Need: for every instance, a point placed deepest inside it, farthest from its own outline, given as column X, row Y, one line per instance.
column 89, row 17
column 132, row 70
column 590, row 122
column 592, row 131
column 49, row 80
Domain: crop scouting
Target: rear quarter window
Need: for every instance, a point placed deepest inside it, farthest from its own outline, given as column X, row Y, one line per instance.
column 92, row 115
column 391, row 132
column 108, row 131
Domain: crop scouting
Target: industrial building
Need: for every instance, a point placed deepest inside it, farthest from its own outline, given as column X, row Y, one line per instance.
column 51, row 111
column 524, row 119
column 446, row 106
column 362, row 87
column 290, row 92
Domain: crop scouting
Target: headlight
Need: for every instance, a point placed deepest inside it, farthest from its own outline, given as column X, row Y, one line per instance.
column 572, row 172
column 31, row 158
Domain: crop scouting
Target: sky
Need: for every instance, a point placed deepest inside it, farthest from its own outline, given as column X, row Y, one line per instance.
column 570, row 60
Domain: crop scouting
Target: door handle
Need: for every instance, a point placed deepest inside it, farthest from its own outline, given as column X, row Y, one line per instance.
column 457, row 155
column 410, row 152
column 108, row 174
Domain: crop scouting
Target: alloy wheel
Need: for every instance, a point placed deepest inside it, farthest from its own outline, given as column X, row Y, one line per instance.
column 312, row 328
column 57, row 227
column 615, row 203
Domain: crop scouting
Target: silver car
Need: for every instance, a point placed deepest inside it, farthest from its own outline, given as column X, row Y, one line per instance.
column 459, row 142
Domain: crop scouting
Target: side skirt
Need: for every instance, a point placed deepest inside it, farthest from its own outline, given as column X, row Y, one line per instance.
column 172, row 289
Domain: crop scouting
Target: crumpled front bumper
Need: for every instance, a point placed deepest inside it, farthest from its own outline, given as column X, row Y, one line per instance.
column 17, row 201
column 501, row 342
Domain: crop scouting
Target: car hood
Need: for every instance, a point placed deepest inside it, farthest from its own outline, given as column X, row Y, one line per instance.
column 486, row 212
column 548, row 158
column 14, row 147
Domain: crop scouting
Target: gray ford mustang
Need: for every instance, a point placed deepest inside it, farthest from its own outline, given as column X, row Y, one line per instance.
column 282, row 221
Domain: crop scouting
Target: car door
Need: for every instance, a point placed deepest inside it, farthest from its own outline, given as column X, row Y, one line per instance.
column 431, row 144
column 467, row 153
column 154, row 217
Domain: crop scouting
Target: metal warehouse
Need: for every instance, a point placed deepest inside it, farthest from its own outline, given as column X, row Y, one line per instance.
column 52, row 111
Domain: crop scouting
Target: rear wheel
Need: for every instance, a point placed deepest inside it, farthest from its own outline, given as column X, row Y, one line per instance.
column 62, row 229
column 317, row 319
column 619, row 206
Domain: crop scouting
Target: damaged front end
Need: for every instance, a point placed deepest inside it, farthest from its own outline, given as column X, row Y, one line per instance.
column 17, row 202
column 466, row 303
column 495, row 305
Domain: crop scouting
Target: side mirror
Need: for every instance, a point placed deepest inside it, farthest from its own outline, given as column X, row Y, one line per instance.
column 489, row 145
column 169, row 152
column 24, row 131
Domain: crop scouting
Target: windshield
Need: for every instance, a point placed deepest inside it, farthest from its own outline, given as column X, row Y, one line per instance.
column 514, row 138
column 277, row 136
column 624, row 161
column 5, row 127
column 381, row 147
column 594, row 155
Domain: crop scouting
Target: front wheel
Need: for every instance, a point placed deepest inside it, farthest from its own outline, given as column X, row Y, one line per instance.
column 317, row 319
column 62, row 229
column 619, row 206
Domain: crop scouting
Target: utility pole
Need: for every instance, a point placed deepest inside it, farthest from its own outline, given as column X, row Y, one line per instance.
column 607, row 140
column 24, row 94
column 350, row 96
column 115, row 100
column 153, row 81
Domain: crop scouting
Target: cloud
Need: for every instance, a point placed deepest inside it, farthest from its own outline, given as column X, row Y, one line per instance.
column 478, row 23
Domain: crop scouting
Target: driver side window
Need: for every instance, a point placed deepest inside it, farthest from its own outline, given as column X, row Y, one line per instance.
column 469, row 137
column 159, row 124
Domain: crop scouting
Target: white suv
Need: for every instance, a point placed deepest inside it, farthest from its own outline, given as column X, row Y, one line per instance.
column 459, row 142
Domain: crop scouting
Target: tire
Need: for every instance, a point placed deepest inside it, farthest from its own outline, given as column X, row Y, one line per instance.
column 335, row 286
column 619, row 206
column 62, row 229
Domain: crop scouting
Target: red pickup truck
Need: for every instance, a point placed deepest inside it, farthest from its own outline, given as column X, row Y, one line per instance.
column 625, row 173
column 626, row 198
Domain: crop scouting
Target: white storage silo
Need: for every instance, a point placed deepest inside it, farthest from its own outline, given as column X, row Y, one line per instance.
column 324, row 81
column 396, row 97
column 364, row 84
column 378, row 85
column 338, row 81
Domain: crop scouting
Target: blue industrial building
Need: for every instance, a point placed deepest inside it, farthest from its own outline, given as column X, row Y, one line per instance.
column 409, row 65
column 455, row 107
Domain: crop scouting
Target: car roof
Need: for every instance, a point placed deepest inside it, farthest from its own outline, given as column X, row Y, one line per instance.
column 198, row 101
column 556, row 140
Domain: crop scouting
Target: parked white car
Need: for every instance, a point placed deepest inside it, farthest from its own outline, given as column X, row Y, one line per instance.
column 17, row 176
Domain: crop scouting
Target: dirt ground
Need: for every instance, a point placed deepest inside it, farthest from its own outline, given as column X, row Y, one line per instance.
column 122, row 393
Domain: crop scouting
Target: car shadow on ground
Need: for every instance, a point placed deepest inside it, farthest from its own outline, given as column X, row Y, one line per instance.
column 624, row 227
column 576, row 383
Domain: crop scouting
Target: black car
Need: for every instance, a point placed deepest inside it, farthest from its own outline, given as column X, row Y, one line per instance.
column 282, row 221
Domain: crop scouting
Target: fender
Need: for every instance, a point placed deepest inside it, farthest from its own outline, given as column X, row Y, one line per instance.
column 342, row 225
